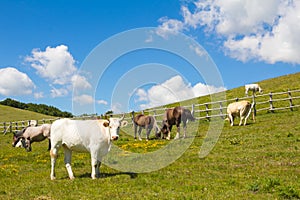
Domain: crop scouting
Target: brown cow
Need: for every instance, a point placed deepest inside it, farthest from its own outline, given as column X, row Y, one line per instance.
column 146, row 122
column 174, row 116
column 31, row 134
column 241, row 109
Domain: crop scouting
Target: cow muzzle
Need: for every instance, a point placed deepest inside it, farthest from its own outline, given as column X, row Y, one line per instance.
column 114, row 137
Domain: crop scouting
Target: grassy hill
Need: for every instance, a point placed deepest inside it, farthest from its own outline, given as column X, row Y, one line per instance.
column 257, row 161
column 8, row 114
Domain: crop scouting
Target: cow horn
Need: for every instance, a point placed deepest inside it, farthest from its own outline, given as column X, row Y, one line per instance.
column 122, row 117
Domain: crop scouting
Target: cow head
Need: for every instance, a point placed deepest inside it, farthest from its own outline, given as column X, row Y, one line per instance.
column 20, row 141
column 163, row 132
column 114, row 125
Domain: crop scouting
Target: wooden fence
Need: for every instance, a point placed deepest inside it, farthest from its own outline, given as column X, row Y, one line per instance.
column 9, row 127
column 270, row 102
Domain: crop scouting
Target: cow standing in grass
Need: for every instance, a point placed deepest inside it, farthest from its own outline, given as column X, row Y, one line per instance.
column 241, row 109
column 147, row 122
column 174, row 116
column 93, row 136
column 28, row 135
column 254, row 88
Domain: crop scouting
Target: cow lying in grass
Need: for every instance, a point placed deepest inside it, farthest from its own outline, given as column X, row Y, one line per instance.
column 28, row 135
column 241, row 109
column 146, row 122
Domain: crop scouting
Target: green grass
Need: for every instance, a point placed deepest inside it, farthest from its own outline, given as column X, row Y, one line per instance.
column 258, row 161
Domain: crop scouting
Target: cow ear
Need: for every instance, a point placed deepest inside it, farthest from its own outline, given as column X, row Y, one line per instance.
column 124, row 123
column 106, row 124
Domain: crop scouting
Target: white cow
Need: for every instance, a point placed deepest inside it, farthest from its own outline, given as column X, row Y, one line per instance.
column 252, row 87
column 241, row 109
column 93, row 136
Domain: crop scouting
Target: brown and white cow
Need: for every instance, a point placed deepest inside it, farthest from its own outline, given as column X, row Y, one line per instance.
column 146, row 122
column 28, row 135
column 174, row 116
column 91, row 136
column 241, row 109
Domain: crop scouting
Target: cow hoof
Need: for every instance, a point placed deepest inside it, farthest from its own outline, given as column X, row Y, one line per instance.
column 168, row 138
column 140, row 139
column 53, row 178
column 72, row 178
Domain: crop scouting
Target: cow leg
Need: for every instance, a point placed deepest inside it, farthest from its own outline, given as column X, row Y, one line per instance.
column 49, row 144
column 184, row 129
column 28, row 144
column 140, row 130
column 68, row 158
column 96, row 162
column 231, row 118
column 135, row 130
column 169, row 129
column 149, row 129
column 241, row 121
column 178, row 131
column 242, row 116
column 53, row 155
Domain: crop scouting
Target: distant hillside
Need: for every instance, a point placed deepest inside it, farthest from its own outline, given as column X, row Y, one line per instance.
column 278, row 84
column 38, row 108
column 8, row 114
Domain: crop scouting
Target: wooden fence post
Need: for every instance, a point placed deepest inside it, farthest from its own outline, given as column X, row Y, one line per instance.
column 221, row 110
column 154, row 115
column 4, row 127
column 23, row 124
column 193, row 109
column 271, row 102
column 254, row 104
column 290, row 99
column 10, row 127
column 207, row 112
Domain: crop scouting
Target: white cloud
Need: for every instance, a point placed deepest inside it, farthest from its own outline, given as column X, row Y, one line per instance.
column 252, row 29
column 55, row 63
column 80, row 82
column 142, row 94
column 38, row 95
column 172, row 90
column 169, row 26
column 103, row 102
column 85, row 99
column 55, row 92
column 15, row 83
column 117, row 108
column 57, row 66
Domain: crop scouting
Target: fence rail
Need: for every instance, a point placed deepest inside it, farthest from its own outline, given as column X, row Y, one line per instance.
column 270, row 102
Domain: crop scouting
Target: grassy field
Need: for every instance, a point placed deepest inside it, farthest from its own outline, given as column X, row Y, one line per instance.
column 258, row 161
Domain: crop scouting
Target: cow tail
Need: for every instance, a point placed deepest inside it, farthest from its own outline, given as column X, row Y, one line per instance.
column 189, row 115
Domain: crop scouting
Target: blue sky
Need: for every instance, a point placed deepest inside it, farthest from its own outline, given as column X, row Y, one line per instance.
column 95, row 56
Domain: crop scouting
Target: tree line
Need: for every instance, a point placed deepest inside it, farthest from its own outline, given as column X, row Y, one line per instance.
column 39, row 108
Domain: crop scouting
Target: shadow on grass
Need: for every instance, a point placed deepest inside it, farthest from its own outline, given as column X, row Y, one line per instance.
column 107, row 175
